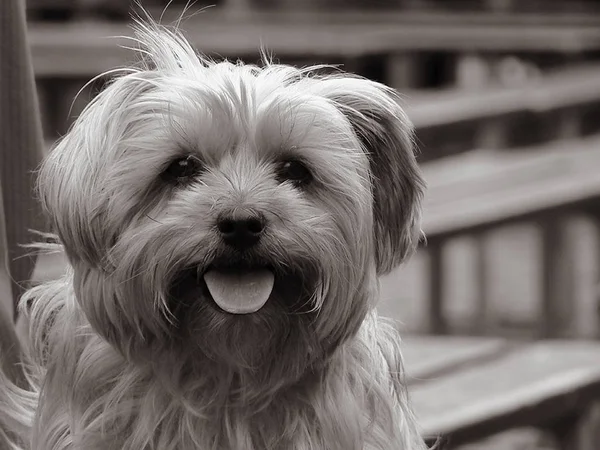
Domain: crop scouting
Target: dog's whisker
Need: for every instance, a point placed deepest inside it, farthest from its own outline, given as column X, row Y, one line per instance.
column 152, row 219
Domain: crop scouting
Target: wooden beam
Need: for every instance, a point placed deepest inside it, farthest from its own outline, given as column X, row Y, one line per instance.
column 531, row 386
column 437, row 323
column 567, row 88
column 428, row 357
column 494, row 187
column 84, row 49
column 581, row 431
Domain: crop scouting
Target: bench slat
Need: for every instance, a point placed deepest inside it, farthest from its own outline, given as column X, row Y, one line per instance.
column 565, row 88
column 428, row 357
column 82, row 49
column 472, row 190
column 527, row 387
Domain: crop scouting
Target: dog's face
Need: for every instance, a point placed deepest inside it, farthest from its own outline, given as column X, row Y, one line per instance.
column 230, row 212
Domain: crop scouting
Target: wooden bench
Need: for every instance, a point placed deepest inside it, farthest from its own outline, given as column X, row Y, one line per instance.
column 481, row 388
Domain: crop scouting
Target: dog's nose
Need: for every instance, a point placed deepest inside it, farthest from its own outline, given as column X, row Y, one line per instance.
column 241, row 233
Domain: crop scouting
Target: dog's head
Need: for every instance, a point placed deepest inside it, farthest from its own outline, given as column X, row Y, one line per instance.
column 232, row 212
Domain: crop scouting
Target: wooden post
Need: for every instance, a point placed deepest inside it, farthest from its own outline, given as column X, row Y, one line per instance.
column 238, row 6
column 44, row 101
column 500, row 6
column 581, row 432
column 401, row 71
column 556, row 304
column 580, row 273
column 482, row 281
column 404, row 293
column 492, row 134
column 569, row 125
column 513, row 294
column 21, row 143
column 571, row 259
column 70, row 104
column 464, row 285
column 473, row 71
column 437, row 322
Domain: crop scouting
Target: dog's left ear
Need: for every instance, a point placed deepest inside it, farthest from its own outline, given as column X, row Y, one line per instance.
column 386, row 134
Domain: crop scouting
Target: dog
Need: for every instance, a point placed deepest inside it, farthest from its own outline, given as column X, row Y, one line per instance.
column 225, row 226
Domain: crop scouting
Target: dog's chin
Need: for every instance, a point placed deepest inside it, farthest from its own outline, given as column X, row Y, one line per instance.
column 273, row 330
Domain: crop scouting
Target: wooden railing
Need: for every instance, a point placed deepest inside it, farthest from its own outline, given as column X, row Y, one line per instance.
column 542, row 209
column 513, row 243
column 401, row 49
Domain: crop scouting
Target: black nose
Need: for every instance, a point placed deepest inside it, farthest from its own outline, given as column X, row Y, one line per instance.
column 241, row 233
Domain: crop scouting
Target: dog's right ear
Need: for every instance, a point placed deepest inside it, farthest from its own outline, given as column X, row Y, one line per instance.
column 386, row 135
column 71, row 179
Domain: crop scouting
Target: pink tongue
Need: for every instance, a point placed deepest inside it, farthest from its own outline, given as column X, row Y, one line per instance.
column 240, row 293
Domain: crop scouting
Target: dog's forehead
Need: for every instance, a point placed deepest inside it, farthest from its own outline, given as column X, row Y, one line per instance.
column 243, row 112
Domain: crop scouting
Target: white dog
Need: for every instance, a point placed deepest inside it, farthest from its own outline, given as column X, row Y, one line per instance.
column 225, row 226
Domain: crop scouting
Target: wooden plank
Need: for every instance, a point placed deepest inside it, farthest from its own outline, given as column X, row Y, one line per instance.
column 401, row 16
column 10, row 350
column 516, row 439
column 430, row 357
column 582, row 256
column 533, row 386
column 463, row 302
column 83, row 49
column 473, row 71
column 431, row 16
column 568, row 87
column 555, row 282
column 482, row 188
column 581, row 432
column 403, row 294
column 437, row 322
column 492, row 134
column 514, row 273
column 402, row 71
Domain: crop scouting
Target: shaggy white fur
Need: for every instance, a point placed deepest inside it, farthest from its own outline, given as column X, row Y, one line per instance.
column 130, row 351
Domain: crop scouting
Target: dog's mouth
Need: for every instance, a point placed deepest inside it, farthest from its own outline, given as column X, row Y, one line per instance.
column 243, row 288
column 240, row 290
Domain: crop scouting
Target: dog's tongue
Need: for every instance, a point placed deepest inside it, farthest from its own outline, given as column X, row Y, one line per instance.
column 240, row 293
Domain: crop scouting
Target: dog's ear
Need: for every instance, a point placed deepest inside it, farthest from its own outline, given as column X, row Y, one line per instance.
column 386, row 135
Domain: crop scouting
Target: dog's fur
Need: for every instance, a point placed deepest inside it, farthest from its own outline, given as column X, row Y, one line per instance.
column 127, row 353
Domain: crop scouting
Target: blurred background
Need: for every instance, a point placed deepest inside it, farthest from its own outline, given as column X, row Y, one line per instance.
column 505, row 97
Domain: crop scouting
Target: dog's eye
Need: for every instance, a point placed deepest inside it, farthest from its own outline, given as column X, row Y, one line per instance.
column 182, row 169
column 294, row 171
